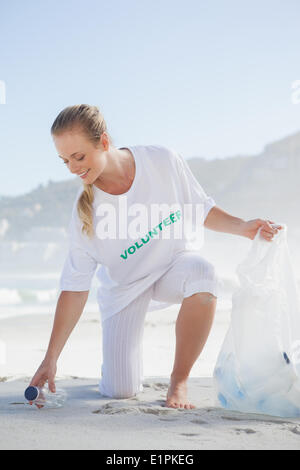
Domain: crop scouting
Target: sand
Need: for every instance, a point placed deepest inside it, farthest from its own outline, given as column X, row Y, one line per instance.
column 90, row 421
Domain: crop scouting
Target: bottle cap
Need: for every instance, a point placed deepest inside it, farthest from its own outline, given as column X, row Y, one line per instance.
column 31, row 393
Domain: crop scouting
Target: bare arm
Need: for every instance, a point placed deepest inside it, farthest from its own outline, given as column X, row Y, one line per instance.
column 220, row 221
column 69, row 308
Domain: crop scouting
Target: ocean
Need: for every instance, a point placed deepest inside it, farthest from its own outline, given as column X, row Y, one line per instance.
column 29, row 279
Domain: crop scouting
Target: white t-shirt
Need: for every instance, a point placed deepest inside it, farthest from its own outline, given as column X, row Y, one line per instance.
column 132, row 261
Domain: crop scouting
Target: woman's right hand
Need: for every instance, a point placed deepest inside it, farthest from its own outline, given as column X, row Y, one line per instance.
column 46, row 371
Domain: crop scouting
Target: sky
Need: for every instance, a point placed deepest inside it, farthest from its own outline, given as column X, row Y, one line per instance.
column 208, row 78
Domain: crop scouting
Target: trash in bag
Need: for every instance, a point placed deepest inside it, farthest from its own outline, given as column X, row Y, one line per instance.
column 258, row 367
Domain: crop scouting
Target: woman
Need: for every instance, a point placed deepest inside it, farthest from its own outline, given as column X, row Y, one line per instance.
column 136, row 274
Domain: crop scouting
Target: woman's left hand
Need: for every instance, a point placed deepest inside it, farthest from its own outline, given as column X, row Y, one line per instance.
column 251, row 227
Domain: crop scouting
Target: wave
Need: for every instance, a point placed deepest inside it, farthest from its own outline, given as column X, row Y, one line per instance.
column 21, row 296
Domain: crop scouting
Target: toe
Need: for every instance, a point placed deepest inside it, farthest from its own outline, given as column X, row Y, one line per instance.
column 171, row 405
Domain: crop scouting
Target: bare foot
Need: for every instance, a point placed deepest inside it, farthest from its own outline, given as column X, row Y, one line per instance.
column 177, row 395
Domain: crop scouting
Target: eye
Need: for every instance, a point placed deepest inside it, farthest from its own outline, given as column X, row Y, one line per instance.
column 78, row 160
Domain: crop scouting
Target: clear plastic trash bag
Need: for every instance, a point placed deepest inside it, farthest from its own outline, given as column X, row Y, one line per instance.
column 258, row 367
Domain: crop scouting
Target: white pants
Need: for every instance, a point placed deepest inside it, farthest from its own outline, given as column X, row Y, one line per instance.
column 122, row 334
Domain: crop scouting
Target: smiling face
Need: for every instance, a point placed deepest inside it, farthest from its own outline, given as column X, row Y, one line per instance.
column 80, row 155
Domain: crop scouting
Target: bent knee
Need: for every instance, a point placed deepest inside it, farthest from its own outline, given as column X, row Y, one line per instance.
column 210, row 272
column 203, row 269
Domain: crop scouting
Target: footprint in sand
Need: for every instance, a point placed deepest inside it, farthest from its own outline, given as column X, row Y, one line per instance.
column 156, row 386
column 199, row 421
column 167, row 419
column 246, row 430
column 295, row 430
column 257, row 419
column 111, row 408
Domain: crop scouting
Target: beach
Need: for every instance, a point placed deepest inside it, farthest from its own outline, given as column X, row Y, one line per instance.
column 185, row 136
column 91, row 421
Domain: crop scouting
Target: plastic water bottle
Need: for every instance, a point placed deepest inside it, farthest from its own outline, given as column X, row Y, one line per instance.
column 43, row 398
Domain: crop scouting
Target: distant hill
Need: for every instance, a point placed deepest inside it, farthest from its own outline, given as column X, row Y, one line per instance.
column 264, row 185
column 45, row 207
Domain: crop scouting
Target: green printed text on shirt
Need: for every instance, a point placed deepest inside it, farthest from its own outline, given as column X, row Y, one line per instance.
column 146, row 239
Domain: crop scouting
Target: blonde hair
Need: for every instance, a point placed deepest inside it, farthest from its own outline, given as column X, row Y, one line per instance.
column 90, row 121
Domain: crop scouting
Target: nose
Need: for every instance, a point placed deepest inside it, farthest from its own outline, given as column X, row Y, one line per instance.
column 73, row 167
